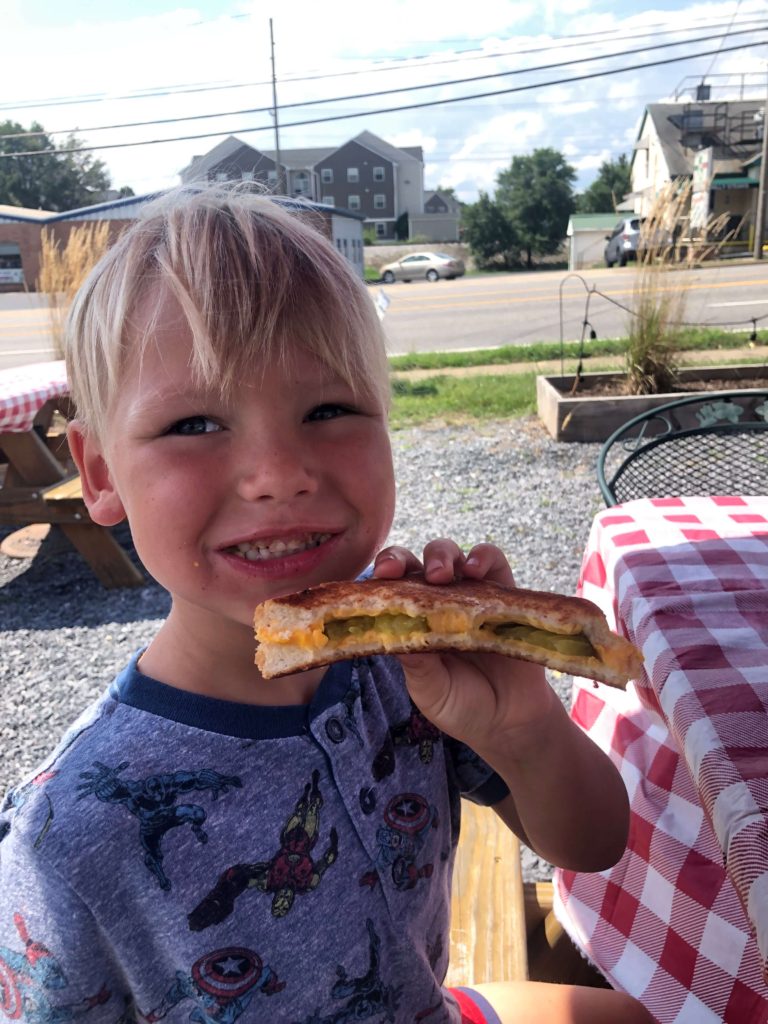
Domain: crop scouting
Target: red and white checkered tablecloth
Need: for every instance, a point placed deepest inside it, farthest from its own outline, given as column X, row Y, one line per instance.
column 681, row 922
column 24, row 390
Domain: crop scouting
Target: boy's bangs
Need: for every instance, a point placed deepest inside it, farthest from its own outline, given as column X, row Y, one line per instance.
column 242, row 321
column 254, row 282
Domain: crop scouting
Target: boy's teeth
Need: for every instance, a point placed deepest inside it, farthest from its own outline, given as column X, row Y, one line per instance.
column 254, row 551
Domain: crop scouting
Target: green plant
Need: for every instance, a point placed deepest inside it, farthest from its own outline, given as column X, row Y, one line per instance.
column 653, row 339
column 658, row 312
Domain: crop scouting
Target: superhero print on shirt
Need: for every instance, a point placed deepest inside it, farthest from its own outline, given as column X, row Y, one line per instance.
column 291, row 870
column 16, row 799
column 364, row 997
column 408, row 819
column 153, row 801
column 221, row 984
column 414, row 731
column 30, row 981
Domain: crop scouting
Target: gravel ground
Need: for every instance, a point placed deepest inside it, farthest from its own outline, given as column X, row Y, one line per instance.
column 62, row 636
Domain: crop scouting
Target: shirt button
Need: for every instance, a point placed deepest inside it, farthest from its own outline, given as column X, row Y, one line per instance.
column 334, row 730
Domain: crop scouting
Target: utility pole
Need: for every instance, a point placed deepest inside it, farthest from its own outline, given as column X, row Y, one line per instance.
column 761, row 187
column 281, row 190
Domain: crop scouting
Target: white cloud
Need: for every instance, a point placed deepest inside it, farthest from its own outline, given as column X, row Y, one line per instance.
column 224, row 42
column 592, row 161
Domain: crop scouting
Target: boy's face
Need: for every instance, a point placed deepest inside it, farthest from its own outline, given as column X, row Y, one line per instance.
column 287, row 483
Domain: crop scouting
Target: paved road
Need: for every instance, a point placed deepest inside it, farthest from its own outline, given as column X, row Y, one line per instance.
column 487, row 311
column 25, row 329
column 517, row 309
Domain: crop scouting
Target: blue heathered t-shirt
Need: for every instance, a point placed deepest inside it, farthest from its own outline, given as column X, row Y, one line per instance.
column 190, row 859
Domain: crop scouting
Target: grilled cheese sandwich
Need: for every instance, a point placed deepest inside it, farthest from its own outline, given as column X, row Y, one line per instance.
column 335, row 621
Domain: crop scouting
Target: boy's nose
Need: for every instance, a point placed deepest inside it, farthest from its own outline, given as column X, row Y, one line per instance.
column 279, row 473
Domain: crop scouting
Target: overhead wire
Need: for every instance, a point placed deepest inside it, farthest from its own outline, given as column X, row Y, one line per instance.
column 387, row 110
column 384, row 92
column 157, row 92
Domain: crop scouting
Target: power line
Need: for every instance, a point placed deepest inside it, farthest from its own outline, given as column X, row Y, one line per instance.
column 388, row 110
column 191, row 88
column 383, row 92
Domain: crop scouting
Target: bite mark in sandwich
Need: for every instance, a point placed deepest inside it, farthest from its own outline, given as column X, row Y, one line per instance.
column 335, row 621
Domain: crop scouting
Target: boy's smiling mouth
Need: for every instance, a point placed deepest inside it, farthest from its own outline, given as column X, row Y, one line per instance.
column 263, row 551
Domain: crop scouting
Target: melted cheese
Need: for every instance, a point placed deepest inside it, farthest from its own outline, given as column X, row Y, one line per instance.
column 310, row 639
column 451, row 621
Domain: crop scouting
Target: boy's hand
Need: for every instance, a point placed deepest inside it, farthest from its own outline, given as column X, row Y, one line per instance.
column 567, row 800
column 486, row 700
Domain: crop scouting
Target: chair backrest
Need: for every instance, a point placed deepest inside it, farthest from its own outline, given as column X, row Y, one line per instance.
column 712, row 443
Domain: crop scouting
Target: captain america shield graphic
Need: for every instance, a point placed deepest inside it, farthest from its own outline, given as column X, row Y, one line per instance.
column 227, row 973
column 408, row 813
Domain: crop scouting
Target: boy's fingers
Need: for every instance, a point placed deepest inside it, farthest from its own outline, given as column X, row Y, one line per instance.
column 394, row 562
column 487, row 562
column 443, row 561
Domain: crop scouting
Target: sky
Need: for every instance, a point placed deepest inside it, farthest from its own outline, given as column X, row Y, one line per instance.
column 88, row 66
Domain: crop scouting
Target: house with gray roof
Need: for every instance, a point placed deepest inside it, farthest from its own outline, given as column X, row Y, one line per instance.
column 711, row 144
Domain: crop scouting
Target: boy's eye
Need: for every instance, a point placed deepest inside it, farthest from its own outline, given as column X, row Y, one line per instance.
column 328, row 411
column 194, row 425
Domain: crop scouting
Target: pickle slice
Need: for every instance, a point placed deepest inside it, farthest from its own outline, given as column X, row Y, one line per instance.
column 576, row 644
column 396, row 625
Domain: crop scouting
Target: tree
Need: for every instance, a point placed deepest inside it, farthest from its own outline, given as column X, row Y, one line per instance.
column 55, row 181
column 401, row 226
column 489, row 234
column 612, row 183
column 535, row 194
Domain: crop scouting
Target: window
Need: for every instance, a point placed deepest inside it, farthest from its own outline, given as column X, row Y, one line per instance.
column 353, row 202
column 10, row 263
column 326, row 175
column 221, row 176
column 381, row 229
column 301, row 183
column 379, row 201
column 353, row 175
column 378, row 174
column 328, row 200
column 247, row 175
column 272, row 177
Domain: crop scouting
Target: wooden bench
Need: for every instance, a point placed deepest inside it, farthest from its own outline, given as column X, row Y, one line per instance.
column 109, row 561
column 61, row 505
column 504, row 929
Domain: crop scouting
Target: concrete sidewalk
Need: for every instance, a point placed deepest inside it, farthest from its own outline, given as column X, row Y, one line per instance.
column 551, row 367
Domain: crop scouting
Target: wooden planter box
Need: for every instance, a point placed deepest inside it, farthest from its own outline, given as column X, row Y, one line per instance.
column 586, row 417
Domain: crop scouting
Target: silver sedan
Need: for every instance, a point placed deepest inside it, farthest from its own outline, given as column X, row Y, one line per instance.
column 418, row 265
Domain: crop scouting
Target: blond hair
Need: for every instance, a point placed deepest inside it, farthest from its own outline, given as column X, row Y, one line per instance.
column 255, row 281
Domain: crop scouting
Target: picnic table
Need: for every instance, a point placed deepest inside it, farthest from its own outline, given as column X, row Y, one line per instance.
column 39, row 481
column 681, row 922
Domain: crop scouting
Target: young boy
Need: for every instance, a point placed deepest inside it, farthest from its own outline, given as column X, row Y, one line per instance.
column 205, row 845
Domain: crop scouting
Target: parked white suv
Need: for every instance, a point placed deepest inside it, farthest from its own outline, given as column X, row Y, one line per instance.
column 622, row 243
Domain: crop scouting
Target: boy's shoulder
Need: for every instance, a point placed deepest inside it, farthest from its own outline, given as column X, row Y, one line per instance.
column 29, row 806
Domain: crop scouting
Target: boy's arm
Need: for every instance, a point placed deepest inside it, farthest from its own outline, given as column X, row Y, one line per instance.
column 567, row 801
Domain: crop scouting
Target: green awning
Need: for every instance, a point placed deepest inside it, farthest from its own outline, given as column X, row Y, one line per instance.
column 733, row 181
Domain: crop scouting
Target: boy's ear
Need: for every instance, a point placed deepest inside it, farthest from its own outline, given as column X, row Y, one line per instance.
column 99, row 493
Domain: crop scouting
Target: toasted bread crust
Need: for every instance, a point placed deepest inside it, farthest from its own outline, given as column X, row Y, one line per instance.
column 455, row 612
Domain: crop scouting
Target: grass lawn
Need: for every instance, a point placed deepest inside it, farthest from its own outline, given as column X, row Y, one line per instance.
column 460, row 399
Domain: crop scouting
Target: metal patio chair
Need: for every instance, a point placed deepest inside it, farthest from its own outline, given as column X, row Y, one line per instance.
column 713, row 443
